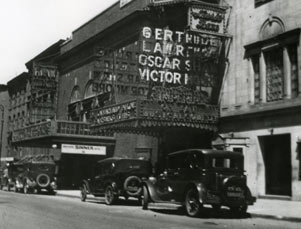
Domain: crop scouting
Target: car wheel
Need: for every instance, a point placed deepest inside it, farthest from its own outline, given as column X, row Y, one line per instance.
column 109, row 195
column 192, row 203
column 83, row 193
column 240, row 210
column 145, row 198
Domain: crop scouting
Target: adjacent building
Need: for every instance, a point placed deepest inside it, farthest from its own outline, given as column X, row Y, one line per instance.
column 260, row 100
column 4, row 98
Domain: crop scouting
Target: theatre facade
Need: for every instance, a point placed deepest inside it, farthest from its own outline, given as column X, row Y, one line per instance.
column 148, row 75
column 141, row 79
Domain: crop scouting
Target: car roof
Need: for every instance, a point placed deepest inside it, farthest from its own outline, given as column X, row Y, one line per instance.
column 209, row 152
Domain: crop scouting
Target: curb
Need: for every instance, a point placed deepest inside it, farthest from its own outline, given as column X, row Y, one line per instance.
column 276, row 217
column 253, row 215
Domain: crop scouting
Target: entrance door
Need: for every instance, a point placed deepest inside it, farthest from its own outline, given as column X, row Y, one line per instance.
column 277, row 160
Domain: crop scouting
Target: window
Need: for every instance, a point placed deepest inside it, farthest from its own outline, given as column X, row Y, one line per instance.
column 273, row 82
column 255, row 63
column 274, row 75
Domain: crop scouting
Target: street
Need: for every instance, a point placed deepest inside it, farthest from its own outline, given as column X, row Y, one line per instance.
column 47, row 212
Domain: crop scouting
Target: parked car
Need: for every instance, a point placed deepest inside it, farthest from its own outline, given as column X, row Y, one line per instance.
column 8, row 174
column 114, row 177
column 35, row 173
column 196, row 177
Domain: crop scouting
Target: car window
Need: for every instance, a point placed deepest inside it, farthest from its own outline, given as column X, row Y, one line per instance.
column 230, row 163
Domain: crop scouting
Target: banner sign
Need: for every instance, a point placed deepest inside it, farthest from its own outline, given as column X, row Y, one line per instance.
column 116, row 113
column 83, row 149
column 207, row 19
column 179, row 59
column 31, row 132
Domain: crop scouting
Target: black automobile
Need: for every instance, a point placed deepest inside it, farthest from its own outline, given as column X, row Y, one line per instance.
column 114, row 177
column 35, row 173
column 196, row 177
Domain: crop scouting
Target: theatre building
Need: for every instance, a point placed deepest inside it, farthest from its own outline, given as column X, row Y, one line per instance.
column 141, row 79
column 147, row 74
column 260, row 100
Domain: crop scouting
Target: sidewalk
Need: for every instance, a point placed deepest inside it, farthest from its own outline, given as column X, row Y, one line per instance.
column 263, row 208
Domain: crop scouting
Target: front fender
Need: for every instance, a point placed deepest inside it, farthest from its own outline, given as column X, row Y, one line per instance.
column 201, row 191
column 151, row 187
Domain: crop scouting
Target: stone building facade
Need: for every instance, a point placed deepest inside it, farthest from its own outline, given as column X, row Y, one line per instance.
column 260, row 100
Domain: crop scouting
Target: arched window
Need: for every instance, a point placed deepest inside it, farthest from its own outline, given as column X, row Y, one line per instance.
column 89, row 90
column 75, row 95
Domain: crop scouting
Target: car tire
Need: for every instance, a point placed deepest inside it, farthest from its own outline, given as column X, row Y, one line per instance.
column 192, row 203
column 83, row 193
column 145, row 198
column 110, row 197
column 126, row 183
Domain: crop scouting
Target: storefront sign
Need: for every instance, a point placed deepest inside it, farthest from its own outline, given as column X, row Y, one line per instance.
column 207, row 19
column 124, row 2
column 84, row 149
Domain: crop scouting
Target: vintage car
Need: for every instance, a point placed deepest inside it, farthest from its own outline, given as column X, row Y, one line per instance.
column 198, row 177
column 114, row 177
column 35, row 173
column 6, row 178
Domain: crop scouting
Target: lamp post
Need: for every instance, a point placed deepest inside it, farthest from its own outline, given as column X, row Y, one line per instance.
column 1, row 127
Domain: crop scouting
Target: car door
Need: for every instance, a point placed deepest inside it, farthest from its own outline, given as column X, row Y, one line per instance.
column 170, row 184
column 98, row 178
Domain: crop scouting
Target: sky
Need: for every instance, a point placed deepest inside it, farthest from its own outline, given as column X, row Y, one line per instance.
column 30, row 26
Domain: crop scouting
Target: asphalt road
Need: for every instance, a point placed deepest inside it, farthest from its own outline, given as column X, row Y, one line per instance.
column 19, row 211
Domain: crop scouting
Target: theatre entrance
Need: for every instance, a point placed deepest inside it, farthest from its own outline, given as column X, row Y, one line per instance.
column 277, row 160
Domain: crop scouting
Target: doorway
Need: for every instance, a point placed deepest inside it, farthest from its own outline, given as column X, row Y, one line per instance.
column 277, row 160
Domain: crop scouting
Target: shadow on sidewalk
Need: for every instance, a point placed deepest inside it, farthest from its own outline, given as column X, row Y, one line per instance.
column 206, row 213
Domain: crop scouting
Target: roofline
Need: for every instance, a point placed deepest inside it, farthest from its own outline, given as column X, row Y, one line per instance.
column 208, row 152
column 96, row 16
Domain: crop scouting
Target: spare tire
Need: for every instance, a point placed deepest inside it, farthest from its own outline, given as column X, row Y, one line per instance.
column 132, row 186
column 43, row 180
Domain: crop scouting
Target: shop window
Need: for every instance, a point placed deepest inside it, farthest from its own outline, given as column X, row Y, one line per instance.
column 261, row 2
